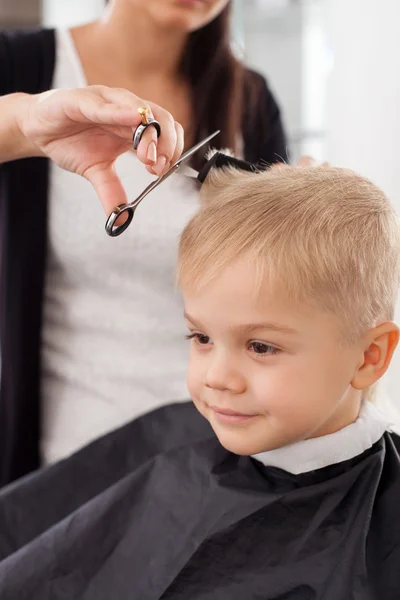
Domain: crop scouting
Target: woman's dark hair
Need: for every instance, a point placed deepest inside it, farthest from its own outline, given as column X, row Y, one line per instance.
column 217, row 79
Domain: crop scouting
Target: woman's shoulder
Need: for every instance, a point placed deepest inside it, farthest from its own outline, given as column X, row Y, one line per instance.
column 20, row 39
column 27, row 58
column 258, row 94
column 257, row 82
column 254, row 76
column 263, row 130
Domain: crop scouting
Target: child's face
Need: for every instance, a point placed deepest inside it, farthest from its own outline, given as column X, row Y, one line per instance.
column 266, row 372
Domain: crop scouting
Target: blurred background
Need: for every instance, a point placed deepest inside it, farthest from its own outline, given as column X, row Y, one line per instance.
column 334, row 66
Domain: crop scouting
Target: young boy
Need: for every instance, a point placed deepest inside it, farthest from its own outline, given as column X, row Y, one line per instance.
column 289, row 280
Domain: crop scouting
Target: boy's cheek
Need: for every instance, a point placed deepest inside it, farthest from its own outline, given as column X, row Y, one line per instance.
column 193, row 380
column 277, row 391
column 196, row 372
column 290, row 400
column 194, row 384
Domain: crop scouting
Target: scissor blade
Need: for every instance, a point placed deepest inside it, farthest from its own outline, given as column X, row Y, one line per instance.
column 184, row 158
column 189, row 153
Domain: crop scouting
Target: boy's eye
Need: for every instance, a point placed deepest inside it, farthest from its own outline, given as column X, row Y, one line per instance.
column 262, row 348
column 200, row 338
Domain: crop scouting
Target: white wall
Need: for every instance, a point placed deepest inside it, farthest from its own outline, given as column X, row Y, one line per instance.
column 273, row 46
column 363, row 113
column 316, row 63
column 62, row 13
column 286, row 41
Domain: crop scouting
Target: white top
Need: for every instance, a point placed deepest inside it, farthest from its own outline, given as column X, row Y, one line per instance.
column 316, row 453
column 113, row 342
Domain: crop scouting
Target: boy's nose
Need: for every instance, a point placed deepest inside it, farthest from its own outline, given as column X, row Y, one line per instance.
column 223, row 375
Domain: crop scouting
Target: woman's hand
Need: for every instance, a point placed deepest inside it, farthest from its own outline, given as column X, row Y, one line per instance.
column 85, row 130
column 308, row 161
column 304, row 161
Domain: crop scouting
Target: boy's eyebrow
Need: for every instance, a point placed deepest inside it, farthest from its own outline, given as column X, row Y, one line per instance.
column 271, row 326
column 248, row 328
column 189, row 318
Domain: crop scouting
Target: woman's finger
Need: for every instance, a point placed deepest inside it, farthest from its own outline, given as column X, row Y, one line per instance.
column 306, row 161
column 86, row 106
column 167, row 141
column 147, row 149
column 180, row 142
column 107, row 185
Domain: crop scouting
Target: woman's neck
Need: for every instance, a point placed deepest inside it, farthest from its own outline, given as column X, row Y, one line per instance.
column 129, row 37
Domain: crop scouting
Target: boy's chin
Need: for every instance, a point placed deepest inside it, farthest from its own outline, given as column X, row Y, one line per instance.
column 243, row 443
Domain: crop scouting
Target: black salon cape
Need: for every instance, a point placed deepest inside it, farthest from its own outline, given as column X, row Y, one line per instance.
column 158, row 509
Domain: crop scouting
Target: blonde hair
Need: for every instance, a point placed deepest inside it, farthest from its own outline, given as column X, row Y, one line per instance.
column 328, row 236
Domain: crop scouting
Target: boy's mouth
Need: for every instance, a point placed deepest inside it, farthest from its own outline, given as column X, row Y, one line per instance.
column 225, row 415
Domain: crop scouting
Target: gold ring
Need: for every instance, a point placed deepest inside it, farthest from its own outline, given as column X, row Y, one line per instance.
column 145, row 113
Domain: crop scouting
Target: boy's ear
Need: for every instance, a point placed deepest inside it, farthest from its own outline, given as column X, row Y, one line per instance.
column 381, row 344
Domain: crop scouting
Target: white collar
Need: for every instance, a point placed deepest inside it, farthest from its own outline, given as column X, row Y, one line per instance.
column 316, row 453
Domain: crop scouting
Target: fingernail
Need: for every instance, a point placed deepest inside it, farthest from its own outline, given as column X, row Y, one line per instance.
column 160, row 165
column 152, row 152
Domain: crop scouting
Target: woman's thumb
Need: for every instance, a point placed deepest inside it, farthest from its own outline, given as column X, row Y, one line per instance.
column 107, row 185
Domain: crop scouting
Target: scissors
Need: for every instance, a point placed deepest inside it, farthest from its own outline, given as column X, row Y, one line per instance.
column 114, row 230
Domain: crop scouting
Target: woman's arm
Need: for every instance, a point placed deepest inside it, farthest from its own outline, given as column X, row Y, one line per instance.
column 13, row 144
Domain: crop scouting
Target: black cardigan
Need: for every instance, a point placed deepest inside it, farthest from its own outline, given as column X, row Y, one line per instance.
column 27, row 62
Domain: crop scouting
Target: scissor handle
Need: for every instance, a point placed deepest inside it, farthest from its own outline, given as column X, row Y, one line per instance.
column 115, row 230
